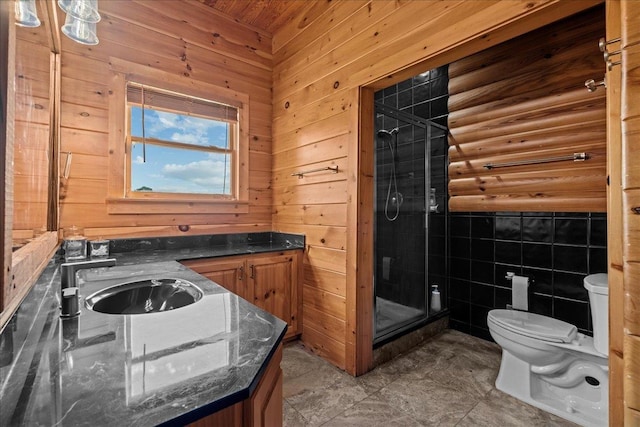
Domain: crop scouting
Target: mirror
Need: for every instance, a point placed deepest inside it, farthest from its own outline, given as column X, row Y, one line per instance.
column 29, row 107
column 31, row 148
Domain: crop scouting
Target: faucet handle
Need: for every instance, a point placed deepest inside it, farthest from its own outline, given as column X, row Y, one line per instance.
column 69, row 304
column 68, row 270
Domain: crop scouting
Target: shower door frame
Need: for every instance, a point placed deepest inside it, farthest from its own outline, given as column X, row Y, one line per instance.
column 425, row 124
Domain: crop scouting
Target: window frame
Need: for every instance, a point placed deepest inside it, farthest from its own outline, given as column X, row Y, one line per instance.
column 232, row 151
column 120, row 199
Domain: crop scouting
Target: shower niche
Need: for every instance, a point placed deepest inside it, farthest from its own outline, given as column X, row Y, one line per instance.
column 410, row 204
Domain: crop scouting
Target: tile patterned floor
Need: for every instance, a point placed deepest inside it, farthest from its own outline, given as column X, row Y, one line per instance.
column 447, row 381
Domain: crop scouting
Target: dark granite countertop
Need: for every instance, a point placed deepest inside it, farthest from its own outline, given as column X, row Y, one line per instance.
column 137, row 251
column 168, row 368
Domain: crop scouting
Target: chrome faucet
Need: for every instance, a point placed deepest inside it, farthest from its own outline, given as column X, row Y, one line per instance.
column 69, row 305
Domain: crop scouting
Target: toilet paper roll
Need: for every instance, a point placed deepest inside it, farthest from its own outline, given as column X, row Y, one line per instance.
column 520, row 293
column 386, row 267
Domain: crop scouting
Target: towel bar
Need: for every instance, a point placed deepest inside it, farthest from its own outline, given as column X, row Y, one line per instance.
column 334, row 169
column 576, row 157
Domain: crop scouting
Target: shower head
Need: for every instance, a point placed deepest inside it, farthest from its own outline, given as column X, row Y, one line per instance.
column 384, row 132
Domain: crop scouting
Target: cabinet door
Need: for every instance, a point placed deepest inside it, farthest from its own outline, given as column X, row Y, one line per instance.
column 272, row 282
column 264, row 408
column 228, row 273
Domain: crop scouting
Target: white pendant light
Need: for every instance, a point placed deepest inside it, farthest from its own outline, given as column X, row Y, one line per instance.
column 80, row 31
column 26, row 14
column 85, row 10
column 64, row 5
column 80, row 23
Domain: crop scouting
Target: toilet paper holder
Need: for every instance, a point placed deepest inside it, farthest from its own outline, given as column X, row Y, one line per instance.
column 520, row 291
column 510, row 275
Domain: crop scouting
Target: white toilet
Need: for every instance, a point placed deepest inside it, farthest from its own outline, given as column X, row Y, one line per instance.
column 547, row 363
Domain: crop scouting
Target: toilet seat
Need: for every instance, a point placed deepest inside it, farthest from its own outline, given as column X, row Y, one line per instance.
column 533, row 325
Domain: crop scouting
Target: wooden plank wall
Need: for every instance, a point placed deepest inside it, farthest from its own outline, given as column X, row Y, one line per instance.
column 190, row 41
column 31, row 137
column 321, row 60
column 525, row 100
column 630, row 115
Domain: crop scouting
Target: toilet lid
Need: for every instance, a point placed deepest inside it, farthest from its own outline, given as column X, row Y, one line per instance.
column 597, row 283
column 534, row 325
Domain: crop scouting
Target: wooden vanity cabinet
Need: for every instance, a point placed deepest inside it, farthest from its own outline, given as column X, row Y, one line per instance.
column 262, row 409
column 226, row 272
column 268, row 281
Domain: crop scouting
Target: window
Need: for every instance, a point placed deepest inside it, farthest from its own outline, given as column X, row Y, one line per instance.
column 179, row 144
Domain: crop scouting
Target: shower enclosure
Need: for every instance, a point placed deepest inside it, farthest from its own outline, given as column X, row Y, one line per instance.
column 410, row 221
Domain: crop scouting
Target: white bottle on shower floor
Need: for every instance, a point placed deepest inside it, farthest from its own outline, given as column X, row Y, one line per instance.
column 436, row 305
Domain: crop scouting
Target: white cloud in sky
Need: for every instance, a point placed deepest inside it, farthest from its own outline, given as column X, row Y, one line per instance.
column 209, row 174
column 187, row 138
column 191, row 130
column 138, row 160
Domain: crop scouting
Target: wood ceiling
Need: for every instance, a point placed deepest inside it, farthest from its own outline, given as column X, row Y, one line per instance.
column 266, row 15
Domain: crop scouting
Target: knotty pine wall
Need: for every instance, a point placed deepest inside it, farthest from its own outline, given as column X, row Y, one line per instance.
column 190, row 41
column 321, row 59
column 525, row 100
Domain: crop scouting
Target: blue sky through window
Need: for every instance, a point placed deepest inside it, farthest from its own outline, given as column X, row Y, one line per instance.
column 177, row 170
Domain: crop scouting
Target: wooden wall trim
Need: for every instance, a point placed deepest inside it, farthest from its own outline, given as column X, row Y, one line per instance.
column 53, row 212
column 524, row 100
column 630, row 119
column 7, row 113
column 615, row 228
column 360, row 250
column 27, row 264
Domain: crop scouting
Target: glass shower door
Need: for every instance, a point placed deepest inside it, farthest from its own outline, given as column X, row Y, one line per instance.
column 401, row 219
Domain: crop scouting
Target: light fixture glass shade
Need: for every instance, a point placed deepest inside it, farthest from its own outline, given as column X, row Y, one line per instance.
column 86, row 10
column 26, row 14
column 65, row 4
column 80, row 31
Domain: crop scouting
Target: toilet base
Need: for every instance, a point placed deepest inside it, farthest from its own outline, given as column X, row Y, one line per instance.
column 565, row 394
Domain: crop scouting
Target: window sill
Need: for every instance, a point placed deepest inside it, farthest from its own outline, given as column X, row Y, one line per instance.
column 123, row 206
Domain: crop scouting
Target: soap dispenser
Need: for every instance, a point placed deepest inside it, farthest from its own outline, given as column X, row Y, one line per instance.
column 436, row 305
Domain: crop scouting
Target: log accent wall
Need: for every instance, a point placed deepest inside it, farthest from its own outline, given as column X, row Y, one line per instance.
column 327, row 62
column 190, row 42
column 630, row 115
column 525, row 100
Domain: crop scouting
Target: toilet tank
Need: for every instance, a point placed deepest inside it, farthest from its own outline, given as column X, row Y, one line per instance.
column 598, row 287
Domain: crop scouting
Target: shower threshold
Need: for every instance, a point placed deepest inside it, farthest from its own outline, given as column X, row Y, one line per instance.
column 391, row 316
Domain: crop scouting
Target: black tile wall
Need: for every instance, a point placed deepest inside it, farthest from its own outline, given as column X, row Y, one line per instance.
column 402, row 241
column 471, row 257
column 556, row 250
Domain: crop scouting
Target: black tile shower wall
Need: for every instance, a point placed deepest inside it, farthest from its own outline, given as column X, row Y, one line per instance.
column 555, row 250
column 400, row 244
